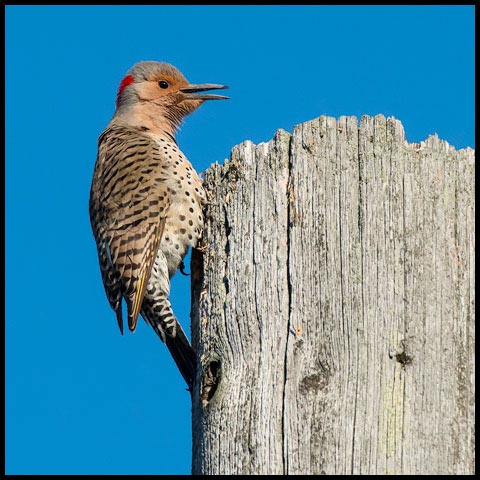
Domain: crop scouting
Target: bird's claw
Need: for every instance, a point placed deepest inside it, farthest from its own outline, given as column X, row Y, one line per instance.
column 201, row 246
column 182, row 269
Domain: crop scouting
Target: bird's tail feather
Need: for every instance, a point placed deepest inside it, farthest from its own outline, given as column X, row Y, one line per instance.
column 174, row 337
column 183, row 354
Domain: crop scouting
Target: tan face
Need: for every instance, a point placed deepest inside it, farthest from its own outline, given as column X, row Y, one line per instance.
column 162, row 89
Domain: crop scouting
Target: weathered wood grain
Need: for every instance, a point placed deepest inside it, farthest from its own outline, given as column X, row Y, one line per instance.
column 333, row 305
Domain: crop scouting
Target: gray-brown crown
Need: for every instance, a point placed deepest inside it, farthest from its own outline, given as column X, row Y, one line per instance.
column 141, row 71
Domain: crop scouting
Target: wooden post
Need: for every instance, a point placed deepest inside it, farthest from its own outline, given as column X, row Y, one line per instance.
column 333, row 307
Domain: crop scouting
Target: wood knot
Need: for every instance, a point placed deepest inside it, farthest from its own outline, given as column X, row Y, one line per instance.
column 314, row 382
column 402, row 356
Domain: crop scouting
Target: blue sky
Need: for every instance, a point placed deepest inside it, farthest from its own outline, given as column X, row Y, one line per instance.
column 80, row 398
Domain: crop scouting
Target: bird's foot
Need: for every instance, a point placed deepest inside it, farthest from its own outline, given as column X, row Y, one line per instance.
column 201, row 246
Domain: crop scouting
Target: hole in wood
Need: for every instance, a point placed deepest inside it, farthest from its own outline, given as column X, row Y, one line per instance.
column 210, row 381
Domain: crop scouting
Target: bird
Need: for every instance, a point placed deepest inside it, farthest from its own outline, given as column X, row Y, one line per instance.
column 146, row 200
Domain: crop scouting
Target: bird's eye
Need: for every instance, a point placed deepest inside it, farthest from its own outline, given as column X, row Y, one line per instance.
column 163, row 84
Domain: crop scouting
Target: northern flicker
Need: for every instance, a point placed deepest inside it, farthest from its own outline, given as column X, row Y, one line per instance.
column 146, row 200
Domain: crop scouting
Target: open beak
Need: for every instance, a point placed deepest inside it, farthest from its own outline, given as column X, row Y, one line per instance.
column 190, row 92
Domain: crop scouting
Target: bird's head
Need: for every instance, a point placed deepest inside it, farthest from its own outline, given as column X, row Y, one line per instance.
column 160, row 93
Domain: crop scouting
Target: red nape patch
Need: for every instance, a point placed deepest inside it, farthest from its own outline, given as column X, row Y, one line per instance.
column 128, row 80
